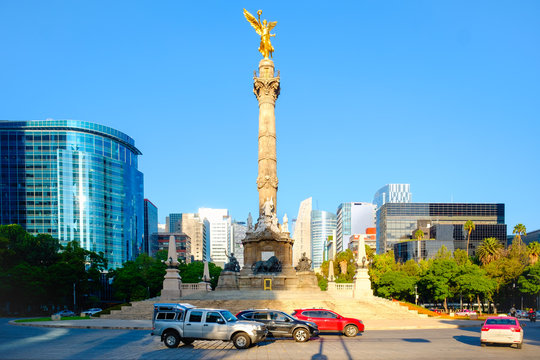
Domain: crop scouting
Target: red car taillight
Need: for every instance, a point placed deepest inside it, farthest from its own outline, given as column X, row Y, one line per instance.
column 515, row 329
column 485, row 329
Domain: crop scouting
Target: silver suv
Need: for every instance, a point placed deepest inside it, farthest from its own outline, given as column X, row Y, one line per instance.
column 186, row 323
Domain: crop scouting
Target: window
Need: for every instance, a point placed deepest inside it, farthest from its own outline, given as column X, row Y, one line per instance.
column 195, row 316
column 214, row 317
column 277, row 316
column 248, row 315
column 165, row 316
column 260, row 316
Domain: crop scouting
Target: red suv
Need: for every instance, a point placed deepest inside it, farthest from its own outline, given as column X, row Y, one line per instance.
column 328, row 320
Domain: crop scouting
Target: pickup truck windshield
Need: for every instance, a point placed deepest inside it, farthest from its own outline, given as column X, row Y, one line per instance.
column 228, row 316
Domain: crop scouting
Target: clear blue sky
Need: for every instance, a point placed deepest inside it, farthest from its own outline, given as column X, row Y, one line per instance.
column 444, row 95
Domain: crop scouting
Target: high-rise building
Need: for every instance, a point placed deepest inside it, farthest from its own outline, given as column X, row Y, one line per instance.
column 174, row 222
column 393, row 193
column 192, row 226
column 397, row 222
column 219, row 234
column 323, row 224
column 353, row 218
column 183, row 245
column 75, row 180
column 150, row 241
column 238, row 234
column 302, row 231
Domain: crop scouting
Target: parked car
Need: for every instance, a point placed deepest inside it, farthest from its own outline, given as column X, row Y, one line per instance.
column 327, row 320
column 506, row 330
column 465, row 312
column 280, row 324
column 65, row 313
column 186, row 323
column 92, row 311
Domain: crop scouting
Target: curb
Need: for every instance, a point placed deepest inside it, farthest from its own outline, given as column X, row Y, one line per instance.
column 71, row 326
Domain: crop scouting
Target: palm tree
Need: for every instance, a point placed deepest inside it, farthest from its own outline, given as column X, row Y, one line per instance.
column 469, row 227
column 418, row 235
column 490, row 249
column 519, row 230
column 534, row 252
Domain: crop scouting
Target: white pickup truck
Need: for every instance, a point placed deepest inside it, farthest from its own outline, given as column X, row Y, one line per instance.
column 185, row 323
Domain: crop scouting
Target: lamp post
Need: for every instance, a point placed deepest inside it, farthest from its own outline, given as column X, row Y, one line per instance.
column 416, row 294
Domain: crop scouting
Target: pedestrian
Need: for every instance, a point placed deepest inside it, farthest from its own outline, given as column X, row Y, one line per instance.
column 513, row 311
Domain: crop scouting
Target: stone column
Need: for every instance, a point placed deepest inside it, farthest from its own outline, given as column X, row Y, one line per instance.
column 266, row 89
column 172, row 283
column 361, row 281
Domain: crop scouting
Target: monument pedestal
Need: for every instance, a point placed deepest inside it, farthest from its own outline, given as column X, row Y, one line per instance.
column 172, row 285
column 228, row 280
column 307, row 280
column 362, row 284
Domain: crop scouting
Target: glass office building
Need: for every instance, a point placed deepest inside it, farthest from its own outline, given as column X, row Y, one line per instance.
column 397, row 222
column 323, row 224
column 74, row 180
column 150, row 240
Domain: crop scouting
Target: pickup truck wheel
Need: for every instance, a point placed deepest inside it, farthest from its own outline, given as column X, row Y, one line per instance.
column 188, row 341
column 241, row 341
column 300, row 335
column 171, row 340
column 350, row 330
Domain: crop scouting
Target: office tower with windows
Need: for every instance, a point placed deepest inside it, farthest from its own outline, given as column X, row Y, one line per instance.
column 219, row 233
column 174, row 222
column 183, row 245
column 192, row 226
column 302, row 231
column 353, row 218
column 399, row 221
column 75, row 180
column 393, row 193
column 150, row 244
column 323, row 224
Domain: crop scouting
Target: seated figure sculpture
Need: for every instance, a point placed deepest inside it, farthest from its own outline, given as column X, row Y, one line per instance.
column 232, row 265
column 304, row 263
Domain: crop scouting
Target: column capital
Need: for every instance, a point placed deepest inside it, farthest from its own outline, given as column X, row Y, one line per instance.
column 266, row 88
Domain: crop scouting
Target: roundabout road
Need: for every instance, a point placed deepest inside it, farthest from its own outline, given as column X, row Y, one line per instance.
column 27, row 342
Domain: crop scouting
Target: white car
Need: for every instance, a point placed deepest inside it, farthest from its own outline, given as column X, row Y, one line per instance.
column 505, row 330
column 92, row 311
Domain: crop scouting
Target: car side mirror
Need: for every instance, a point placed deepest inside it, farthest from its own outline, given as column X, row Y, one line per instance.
column 220, row 321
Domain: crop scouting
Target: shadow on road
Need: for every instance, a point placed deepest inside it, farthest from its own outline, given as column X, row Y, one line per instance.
column 417, row 340
column 468, row 340
column 320, row 355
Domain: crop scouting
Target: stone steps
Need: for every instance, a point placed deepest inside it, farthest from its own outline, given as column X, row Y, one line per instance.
column 288, row 301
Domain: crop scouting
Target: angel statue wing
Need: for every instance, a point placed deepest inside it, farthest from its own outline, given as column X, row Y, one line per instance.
column 271, row 25
column 256, row 24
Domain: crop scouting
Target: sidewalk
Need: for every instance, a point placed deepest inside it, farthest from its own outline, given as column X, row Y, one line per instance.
column 403, row 324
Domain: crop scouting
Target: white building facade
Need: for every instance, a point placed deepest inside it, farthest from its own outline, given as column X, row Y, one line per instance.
column 219, row 233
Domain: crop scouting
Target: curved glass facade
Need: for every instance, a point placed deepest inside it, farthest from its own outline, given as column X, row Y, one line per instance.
column 74, row 180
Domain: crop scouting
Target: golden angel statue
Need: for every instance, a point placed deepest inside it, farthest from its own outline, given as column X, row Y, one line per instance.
column 263, row 29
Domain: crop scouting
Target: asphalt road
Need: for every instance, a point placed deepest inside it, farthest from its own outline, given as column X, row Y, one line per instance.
column 23, row 342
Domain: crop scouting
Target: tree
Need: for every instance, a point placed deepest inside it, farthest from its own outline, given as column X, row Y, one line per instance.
column 534, row 252
column 490, row 249
column 461, row 257
column 418, row 235
column 472, row 281
column 519, row 230
column 469, row 227
column 396, row 284
column 529, row 281
column 438, row 281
